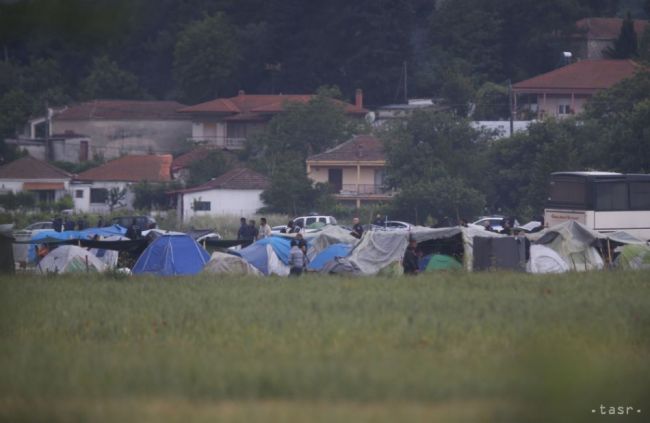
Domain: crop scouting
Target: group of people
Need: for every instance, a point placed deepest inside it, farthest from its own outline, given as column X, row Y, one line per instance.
column 69, row 224
column 248, row 231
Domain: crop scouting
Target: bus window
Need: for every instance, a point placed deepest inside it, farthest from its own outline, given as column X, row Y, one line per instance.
column 611, row 196
column 640, row 195
column 567, row 192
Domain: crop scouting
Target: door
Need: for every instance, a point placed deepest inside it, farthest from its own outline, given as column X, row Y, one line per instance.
column 335, row 179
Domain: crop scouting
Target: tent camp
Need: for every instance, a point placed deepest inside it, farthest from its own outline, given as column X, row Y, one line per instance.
column 545, row 260
column 331, row 234
column 230, row 264
column 70, row 259
column 576, row 244
column 108, row 257
column 435, row 262
column 269, row 255
column 171, row 255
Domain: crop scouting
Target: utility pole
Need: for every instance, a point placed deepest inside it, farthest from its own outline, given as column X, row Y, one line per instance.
column 510, row 106
column 406, row 87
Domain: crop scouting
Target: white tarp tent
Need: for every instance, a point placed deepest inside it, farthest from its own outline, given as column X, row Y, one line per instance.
column 70, row 259
column 229, row 264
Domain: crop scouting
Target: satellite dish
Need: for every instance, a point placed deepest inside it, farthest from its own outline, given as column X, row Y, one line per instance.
column 370, row 117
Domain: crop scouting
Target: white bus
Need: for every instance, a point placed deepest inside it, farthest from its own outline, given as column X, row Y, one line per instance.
column 602, row 201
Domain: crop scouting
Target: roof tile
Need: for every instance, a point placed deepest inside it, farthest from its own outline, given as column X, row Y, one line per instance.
column 152, row 168
column 359, row 148
column 30, row 168
column 239, row 178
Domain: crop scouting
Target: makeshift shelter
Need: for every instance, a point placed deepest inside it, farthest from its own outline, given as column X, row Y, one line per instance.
column 107, row 256
column 328, row 254
column 500, row 253
column 634, row 257
column 328, row 235
column 229, row 264
column 544, row 260
column 269, row 255
column 70, row 259
column 171, row 255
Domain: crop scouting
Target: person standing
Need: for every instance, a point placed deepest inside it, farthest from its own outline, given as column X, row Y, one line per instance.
column 68, row 224
column 265, row 229
column 253, row 232
column 410, row 261
column 379, row 221
column 243, row 229
column 100, row 222
column 357, row 228
column 296, row 259
column 57, row 223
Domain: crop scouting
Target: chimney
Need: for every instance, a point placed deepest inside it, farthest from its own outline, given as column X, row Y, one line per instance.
column 358, row 99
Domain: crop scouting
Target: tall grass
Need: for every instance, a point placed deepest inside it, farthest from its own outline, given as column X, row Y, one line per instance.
column 456, row 347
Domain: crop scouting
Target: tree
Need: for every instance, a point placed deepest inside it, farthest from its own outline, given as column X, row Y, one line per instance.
column 303, row 129
column 116, row 197
column 292, row 192
column 150, row 196
column 216, row 163
column 626, row 45
column 206, row 56
column 107, row 80
column 492, row 102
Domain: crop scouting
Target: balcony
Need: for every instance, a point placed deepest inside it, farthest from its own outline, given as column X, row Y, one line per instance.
column 365, row 190
column 219, row 142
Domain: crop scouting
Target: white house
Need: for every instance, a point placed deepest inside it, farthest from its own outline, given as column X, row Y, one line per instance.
column 48, row 182
column 236, row 192
column 91, row 188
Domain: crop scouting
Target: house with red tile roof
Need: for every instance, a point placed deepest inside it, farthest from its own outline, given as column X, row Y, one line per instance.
column 47, row 182
column 91, row 188
column 236, row 192
column 118, row 127
column 228, row 122
column 593, row 36
column 564, row 91
column 355, row 170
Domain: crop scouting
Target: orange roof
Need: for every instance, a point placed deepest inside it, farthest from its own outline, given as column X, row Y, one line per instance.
column 30, row 168
column 43, row 186
column 586, row 76
column 131, row 169
column 359, row 148
column 239, row 178
column 606, row 28
column 122, row 110
column 256, row 105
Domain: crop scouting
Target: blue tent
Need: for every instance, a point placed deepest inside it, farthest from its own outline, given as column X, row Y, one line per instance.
column 53, row 237
column 328, row 254
column 172, row 255
column 257, row 254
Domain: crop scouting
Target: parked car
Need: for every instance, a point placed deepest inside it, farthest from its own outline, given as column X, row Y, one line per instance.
column 278, row 229
column 305, row 221
column 494, row 221
column 143, row 222
column 39, row 225
column 392, row 225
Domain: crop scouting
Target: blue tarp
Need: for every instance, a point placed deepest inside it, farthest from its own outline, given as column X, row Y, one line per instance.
column 328, row 254
column 172, row 255
column 52, row 237
column 256, row 253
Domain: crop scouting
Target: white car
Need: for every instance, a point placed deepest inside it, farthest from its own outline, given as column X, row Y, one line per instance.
column 393, row 225
column 305, row 221
column 494, row 221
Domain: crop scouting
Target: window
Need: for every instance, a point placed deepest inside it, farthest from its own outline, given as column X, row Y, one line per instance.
column 236, row 130
column 79, row 193
column 98, row 195
column 564, row 109
column 567, row 192
column 611, row 196
column 640, row 195
column 310, row 221
column 201, row 206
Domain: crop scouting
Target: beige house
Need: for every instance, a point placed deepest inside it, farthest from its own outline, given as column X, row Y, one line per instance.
column 355, row 170
column 228, row 122
column 565, row 91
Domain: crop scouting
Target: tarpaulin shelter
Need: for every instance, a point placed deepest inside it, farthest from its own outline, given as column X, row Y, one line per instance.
column 70, row 259
column 329, row 254
column 269, row 255
column 544, row 260
column 230, row 264
column 328, row 235
column 635, row 257
column 171, row 255
column 108, row 256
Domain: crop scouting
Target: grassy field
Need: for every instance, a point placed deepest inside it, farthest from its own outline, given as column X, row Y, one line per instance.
column 451, row 348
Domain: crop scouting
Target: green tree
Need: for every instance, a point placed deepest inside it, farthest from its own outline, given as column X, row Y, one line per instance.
column 116, row 198
column 206, row 57
column 216, row 163
column 492, row 102
column 150, row 196
column 293, row 193
column 303, row 129
column 107, row 80
column 626, row 45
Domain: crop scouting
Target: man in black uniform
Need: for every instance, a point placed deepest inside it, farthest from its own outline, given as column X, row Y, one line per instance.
column 357, row 228
column 410, row 261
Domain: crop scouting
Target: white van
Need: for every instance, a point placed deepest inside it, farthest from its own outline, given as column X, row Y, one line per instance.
column 305, row 221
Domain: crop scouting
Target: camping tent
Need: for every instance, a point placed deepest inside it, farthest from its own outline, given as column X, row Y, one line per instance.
column 108, row 257
column 434, row 262
column 269, row 255
column 329, row 254
column 545, row 260
column 633, row 257
column 229, row 264
column 171, row 255
column 328, row 235
column 70, row 259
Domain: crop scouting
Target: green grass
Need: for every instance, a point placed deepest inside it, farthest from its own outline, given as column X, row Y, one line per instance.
column 450, row 347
